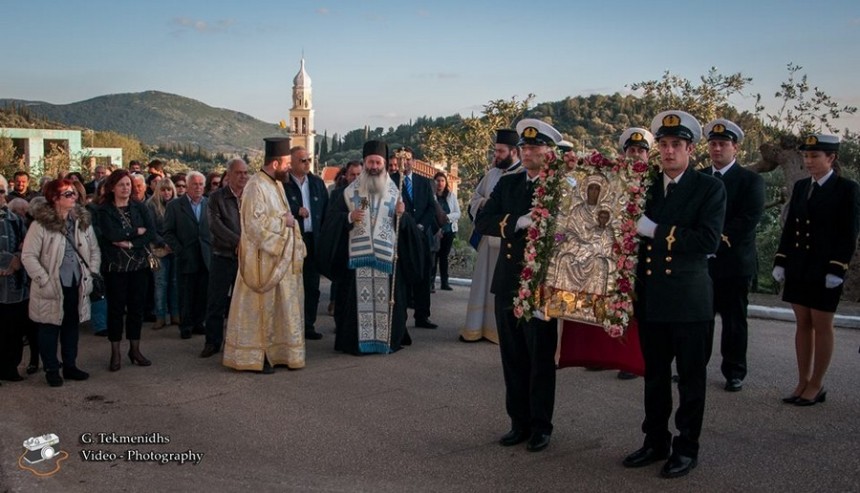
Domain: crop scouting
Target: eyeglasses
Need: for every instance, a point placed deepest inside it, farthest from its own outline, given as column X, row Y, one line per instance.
column 69, row 194
column 216, row 183
column 2, row 192
column 306, row 160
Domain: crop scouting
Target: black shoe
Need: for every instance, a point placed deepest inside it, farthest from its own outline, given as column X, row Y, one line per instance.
column 513, row 437
column 31, row 369
column 185, row 333
column 463, row 339
column 11, row 376
column 432, row 290
column 101, row 333
column 149, row 317
column 199, row 330
column 678, row 465
column 312, row 335
column 208, row 351
column 626, row 375
column 446, row 287
column 790, row 399
column 54, row 379
column 537, row 442
column 734, row 385
column 644, row 456
column 267, row 368
column 75, row 373
column 820, row 397
column 425, row 323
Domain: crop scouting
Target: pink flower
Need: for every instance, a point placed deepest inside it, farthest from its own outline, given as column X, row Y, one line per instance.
column 616, row 331
column 640, row 167
column 624, row 286
column 525, row 293
column 632, row 208
column 629, row 264
column 527, row 273
column 518, row 311
column 533, row 234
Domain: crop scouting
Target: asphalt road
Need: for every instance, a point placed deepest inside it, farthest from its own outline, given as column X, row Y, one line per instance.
column 424, row 419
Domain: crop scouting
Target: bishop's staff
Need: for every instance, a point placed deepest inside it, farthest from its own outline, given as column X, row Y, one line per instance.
column 401, row 156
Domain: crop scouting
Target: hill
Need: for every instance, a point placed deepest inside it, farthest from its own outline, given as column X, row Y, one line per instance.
column 158, row 118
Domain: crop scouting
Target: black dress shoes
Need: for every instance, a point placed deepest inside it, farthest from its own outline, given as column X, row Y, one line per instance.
column 626, row 375
column 208, row 351
column 185, row 333
column 312, row 335
column 267, row 368
column 425, row 323
column 513, row 437
column 31, row 369
column 537, row 442
column 199, row 330
column 53, row 378
column 644, row 456
column 678, row 465
column 11, row 376
column 734, row 385
column 446, row 287
column 463, row 339
column 74, row 373
column 790, row 399
column 820, row 397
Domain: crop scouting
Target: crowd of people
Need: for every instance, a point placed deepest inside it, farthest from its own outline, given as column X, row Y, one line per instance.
column 239, row 259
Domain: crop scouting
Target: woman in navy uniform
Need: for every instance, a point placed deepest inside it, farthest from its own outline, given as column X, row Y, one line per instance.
column 817, row 242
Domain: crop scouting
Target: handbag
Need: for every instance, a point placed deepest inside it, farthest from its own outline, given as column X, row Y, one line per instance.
column 153, row 260
column 99, row 290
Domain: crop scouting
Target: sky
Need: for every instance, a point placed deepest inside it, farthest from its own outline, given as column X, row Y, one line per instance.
column 381, row 63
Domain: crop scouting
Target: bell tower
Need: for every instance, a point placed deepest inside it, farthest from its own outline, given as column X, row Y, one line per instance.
column 302, row 132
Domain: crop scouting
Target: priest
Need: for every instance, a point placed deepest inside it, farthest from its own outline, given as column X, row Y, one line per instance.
column 357, row 250
column 266, row 323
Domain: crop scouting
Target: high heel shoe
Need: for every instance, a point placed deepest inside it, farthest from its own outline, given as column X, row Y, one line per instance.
column 790, row 399
column 820, row 397
column 115, row 357
column 135, row 356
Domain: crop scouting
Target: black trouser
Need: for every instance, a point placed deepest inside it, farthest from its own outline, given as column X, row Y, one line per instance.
column 731, row 297
column 126, row 293
column 311, row 282
column 441, row 259
column 15, row 323
column 419, row 292
column 222, row 275
column 66, row 332
column 687, row 344
column 192, row 298
column 528, row 363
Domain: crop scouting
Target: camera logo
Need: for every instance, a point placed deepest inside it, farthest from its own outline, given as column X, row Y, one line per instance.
column 39, row 450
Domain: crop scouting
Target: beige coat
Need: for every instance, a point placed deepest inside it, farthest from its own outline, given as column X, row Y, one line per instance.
column 42, row 256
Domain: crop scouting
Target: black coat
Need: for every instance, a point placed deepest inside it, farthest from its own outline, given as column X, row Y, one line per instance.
column 225, row 225
column 673, row 284
column 744, row 207
column 511, row 199
column 188, row 238
column 820, row 233
column 318, row 205
column 110, row 227
column 422, row 206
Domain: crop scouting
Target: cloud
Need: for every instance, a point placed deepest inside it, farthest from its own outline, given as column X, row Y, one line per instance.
column 391, row 115
column 323, row 11
column 423, row 13
column 201, row 26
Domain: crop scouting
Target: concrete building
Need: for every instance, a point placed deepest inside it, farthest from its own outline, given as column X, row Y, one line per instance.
column 302, row 131
column 34, row 144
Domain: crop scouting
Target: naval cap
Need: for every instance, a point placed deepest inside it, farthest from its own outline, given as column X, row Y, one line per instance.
column 676, row 123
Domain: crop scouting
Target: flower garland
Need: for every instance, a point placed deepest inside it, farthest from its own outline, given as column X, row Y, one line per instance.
column 542, row 240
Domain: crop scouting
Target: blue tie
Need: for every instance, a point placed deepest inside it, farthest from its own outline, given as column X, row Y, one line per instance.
column 408, row 185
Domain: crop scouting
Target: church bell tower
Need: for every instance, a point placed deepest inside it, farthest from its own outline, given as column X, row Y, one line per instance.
column 302, row 132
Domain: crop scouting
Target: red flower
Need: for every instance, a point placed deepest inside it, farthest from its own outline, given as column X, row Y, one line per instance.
column 640, row 167
column 632, row 208
column 527, row 273
column 533, row 234
column 624, row 286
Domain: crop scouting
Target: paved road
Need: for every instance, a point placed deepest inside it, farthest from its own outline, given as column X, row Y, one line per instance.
column 424, row 419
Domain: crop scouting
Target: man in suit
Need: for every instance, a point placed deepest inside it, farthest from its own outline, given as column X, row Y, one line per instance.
column 308, row 199
column 527, row 348
column 679, row 229
column 99, row 174
column 420, row 201
column 186, row 230
column 735, row 263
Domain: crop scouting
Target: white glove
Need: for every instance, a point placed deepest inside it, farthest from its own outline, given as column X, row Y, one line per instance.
column 646, row 227
column 523, row 222
column 831, row 281
column 778, row 274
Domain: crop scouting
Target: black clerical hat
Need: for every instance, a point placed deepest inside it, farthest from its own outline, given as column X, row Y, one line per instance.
column 277, row 147
column 507, row 136
column 377, row 147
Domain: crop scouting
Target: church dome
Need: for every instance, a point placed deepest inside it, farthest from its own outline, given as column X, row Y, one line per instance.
column 302, row 79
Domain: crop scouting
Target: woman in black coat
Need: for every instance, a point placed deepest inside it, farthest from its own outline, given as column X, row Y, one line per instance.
column 817, row 242
column 125, row 231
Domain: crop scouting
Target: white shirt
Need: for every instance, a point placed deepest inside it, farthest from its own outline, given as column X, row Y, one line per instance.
column 667, row 181
column 724, row 170
column 306, row 201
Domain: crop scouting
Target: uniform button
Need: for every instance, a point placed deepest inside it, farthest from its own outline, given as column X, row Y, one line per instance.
column 647, row 260
column 648, row 248
column 807, row 221
column 648, row 272
column 510, row 246
column 508, row 256
column 797, row 245
column 807, row 247
column 668, row 272
column 807, row 235
column 797, row 219
column 797, row 233
column 668, row 259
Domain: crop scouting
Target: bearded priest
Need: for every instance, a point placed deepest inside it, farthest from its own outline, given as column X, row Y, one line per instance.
column 363, row 249
column 266, row 323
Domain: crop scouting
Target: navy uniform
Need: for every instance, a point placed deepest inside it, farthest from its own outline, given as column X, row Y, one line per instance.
column 820, row 235
column 680, row 227
column 527, row 348
column 736, row 260
column 636, row 137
